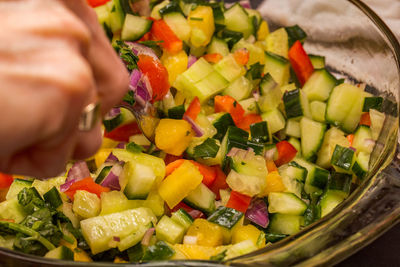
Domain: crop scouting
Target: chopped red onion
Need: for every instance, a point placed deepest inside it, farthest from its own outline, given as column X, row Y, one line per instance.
column 191, row 61
column 197, row 130
column 111, row 158
column 78, row 171
column 147, row 236
column 116, row 238
column 112, row 113
column 270, row 154
column 245, row 3
column 135, row 78
column 64, row 187
column 144, row 89
column 256, row 95
column 139, row 49
column 233, row 152
column 112, row 179
column 352, row 148
column 258, row 213
column 121, row 145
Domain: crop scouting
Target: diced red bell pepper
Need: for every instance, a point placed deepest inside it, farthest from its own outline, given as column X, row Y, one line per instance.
column 219, row 182
column 238, row 201
column 365, row 119
column 301, row 63
column 86, row 184
column 123, row 132
column 228, row 104
column 248, row 120
column 5, row 180
column 192, row 212
column 241, row 56
column 160, row 31
column 350, row 138
column 157, row 75
column 213, row 57
column 194, row 109
column 96, row 3
column 286, row 152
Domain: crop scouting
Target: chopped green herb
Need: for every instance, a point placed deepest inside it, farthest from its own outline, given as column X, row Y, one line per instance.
column 208, row 149
column 127, row 55
column 134, row 148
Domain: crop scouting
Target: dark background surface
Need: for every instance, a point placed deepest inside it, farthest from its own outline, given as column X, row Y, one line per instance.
column 385, row 251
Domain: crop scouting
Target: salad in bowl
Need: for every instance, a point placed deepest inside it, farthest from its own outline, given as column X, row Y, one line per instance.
column 256, row 139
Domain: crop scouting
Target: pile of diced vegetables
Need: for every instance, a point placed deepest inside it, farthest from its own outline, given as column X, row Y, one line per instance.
column 257, row 140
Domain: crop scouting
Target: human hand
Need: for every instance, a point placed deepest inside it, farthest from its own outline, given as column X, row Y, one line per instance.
column 54, row 60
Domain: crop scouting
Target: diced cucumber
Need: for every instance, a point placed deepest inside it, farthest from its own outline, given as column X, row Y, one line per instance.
column 312, row 135
column 158, row 252
column 104, row 170
column 246, row 184
column 278, row 67
column 237, row 19
column 342, row 157
column 103, row 15
column 318, row 110
column 239, row 89
column 246, row 162
column 169, row 230
column 155, row 12
column 293, row 171
column 340, row 182
column 183, row 218
column 60, row 253
column 179, row 25
column 377, row 120
column 198, row 71
column 100, row 230
column 43, row 186
column 296, row 143
column 249, row 105
column 341, row 102
column 222, row 122
column 296, row 104
column 275, row 120
column 271, row 94
column 362, row 139
column 234, row 137
column 329, row 200
column 292, row 185
column 361, row 165
column 219, row 46
column 353, row 117
column 332, row 137
column 134, row 238
column 228, row 219
column 316, row 176
column 116, row 16
column 318, row 62
column 53, row 197
column 373, row 102
column 277, row 42
column 259, row 132
column 231, row 37
column 201, row 198
column 211, row 85
column 16, row 186
column 140, row 180
column 284, row 224
column 228, row 68
column 256, row 53
column 12, row 210
column 293, row 128
column 295, row 33
column 135, row 27
column 319, row 85
column 285, row 203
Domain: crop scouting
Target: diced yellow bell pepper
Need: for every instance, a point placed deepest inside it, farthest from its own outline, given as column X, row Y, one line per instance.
column 175, row 64
column 109, row 143
column 196, row 252
column 207, row 233
column 202, row 22
column 277, row 42
column 273, row 183
column 119, row 260
column 175, row 187
column 263, row 31
column 81, row 255
column 173, row 136
column 101, row 156
column 249, row 232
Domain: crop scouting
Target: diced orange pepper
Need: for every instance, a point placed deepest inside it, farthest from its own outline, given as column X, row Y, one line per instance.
column 219, row 182
column 271, row 166
column 350, row 138
column 241, row 56
column 194, row 109
column 286, row 152
column 86, row 184
column 301, row 63
column 160, row 31
column 248, row 120
column 213, row 57
column 209, row 173
column 228, row 104
column 365, row 119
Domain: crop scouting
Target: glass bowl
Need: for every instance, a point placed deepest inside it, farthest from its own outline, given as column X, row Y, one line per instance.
column 358, row 46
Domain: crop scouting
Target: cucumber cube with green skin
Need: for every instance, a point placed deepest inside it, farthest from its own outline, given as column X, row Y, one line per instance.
column 140, row 179
column 99, row 231
column 183, row 218
column 374, row 102
column 198, row 71
column 329, row 200
column 292, row 128
column 209, row 86
column 275, row 120
column 312, row 135
column 234, row 137
column 237, row 19
column 340, row 182
column 135, row 27
column 296, row 104
column 318, row 110
column 361, row 165
column 169, row 230
column 179, row 25
column 278, row 67
column 219, row 46
column 285, row 203
column 271, row 95
column 12, row 210
column 285, row 224
column 259, row 132
column 60, row 253
column 229, row 68
column 159, row 251
column 318, row 62
column 342, row 157
column 201, row 198
column 319, row 86
column 228, row 219
column 16, row 186
column 222, row 123
column 239, row 89
column 361, row 140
